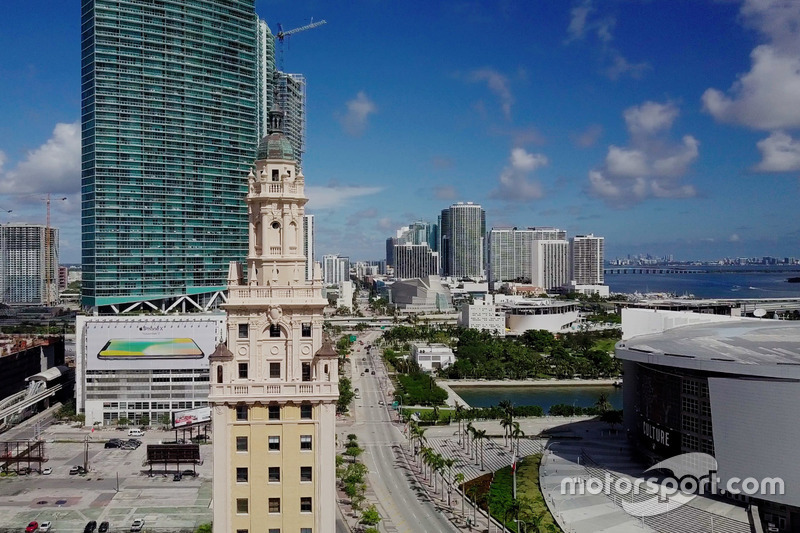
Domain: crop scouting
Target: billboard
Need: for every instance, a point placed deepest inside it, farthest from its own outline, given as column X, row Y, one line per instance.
column 150, row 343
column 190, row 417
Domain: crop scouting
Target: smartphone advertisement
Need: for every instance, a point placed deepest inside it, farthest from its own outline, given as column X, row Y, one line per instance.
column 149, row 344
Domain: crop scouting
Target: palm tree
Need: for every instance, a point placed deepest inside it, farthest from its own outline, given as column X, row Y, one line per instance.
column 448, row 463
column 602, row 403
column 459, row 414
column 460, row 477
column 517, row 433
column 481, row 436
column 467, row 432
column 504, row 423
column 472, row 491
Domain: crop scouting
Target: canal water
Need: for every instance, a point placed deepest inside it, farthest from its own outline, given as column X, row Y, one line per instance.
column 545, row 397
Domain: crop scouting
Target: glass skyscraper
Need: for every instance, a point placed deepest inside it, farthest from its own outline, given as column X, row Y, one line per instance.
column 170, row 128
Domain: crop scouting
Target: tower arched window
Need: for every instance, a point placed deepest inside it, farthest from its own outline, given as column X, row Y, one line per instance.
column 219, row 373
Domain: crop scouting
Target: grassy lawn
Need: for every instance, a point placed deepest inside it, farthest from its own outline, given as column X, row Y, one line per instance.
column 533, row 508
column 607, row 345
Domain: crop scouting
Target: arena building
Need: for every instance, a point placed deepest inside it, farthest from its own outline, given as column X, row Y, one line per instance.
column 721, row 385
column 143, row 368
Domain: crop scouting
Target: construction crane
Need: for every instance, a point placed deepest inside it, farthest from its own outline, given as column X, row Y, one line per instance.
column 281, row 35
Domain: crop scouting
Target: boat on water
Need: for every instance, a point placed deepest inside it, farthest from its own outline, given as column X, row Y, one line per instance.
column 793, row 280
column 617, row 383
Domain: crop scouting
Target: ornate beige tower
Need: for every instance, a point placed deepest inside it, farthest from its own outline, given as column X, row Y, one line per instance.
column 274, row 387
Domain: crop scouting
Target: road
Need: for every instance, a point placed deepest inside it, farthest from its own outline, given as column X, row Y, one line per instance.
column 391, row 481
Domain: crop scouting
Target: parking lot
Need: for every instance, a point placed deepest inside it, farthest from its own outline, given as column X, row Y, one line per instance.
column 117, row 487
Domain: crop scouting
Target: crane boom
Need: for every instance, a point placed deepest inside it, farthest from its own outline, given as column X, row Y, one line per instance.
column 281, row 34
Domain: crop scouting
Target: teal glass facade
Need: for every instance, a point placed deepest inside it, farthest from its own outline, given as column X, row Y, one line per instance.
column 169, row 133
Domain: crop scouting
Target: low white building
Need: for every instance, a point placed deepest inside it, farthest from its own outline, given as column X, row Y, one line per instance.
column 483, row 315
column 588, row 290
column 555, row 316
column 432, row 357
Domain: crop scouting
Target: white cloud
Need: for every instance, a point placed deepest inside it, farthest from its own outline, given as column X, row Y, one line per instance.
column 734, row 238
column 650, row 118
column 54, row 167
column 498, row 84
column 577, row 21
column 514, row 184
column 589, row 136
column 619, row 65
column 767, row 97
column 779, row 153
column 330, row 197
column 652, row 166
column 355, row 120
column 613, row 63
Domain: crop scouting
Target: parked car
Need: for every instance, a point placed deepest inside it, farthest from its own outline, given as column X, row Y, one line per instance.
column 47, row 471
column 113, row 444
column 103, row 527
column 33, row 526
column 45, row 527
column 74, row 470
column 137, row 525
column 190, row 473
column 373, row 372
column 176, row 477
column 90, row 527
column 134, row 442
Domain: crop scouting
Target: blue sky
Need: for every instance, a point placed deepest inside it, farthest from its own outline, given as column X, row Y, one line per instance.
column 668, row 127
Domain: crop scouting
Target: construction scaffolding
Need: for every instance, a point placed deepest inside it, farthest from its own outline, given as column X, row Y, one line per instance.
column 18, row 456
column 290, row 97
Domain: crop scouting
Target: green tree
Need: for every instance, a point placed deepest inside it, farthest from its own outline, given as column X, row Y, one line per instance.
column 371, row 517
column 353, row 452
column 346, row 395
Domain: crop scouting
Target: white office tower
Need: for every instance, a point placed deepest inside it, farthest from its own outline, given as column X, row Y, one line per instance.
column 308, row 245
column 550, row 261
column 335, row 269
column 466, row 233
column 415, row 261
column 586, row 253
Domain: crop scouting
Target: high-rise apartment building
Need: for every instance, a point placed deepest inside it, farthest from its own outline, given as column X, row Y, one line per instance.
column 290, row 97
column 308, row 245
column 28, row 264
column 550, row 263
column 586, row 253
column 463, row 242
column 169, row 130
column 510, row 251
column 415, row 261
column 335, row 269
column 265, row 70
column 274, row 386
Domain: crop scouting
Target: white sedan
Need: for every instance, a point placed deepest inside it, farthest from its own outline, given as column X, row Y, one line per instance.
column 47, row 471
column 46, row 526
column 137, row 525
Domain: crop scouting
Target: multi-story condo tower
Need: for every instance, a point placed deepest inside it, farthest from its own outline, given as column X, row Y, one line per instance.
column 335, row 269
column 290, row 96
column 28, row 264
column 415, row 261
column 274, row 386
column 444, row 242
column 465, row 240
column 586, row 253
column 169, row 114
column 265, row 68
column 510, row 251
column 550, row 262
column 308, row 245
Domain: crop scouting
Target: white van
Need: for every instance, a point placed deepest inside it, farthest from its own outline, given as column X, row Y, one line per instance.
column 135, row 433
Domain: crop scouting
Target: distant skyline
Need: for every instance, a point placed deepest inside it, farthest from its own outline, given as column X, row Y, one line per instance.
column 665, row 127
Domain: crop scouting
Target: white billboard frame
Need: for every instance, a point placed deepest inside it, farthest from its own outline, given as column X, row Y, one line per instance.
column 193, row 417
